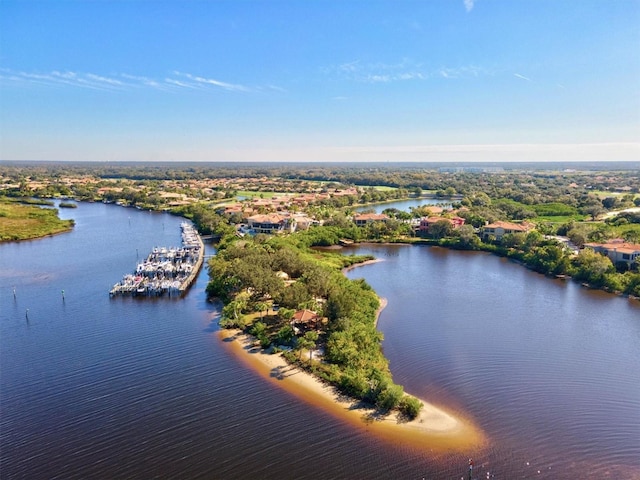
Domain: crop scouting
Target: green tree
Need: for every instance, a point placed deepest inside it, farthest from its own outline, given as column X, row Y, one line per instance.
column 390, row 397
column 259, row 330
column 441, row 229
column 308, row 342
column 285, row 334
column 592, row 267
column 261, row 307
column 467, row 237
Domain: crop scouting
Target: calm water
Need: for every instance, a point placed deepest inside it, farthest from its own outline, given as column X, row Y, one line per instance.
column 93, row 387
column 547, row 368
column 404, row 205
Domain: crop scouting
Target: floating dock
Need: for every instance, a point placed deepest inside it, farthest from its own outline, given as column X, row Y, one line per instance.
column 169, row 271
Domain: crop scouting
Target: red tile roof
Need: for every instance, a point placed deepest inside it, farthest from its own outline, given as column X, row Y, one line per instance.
column 305, row 316
column 518, row 227
column 371, row 216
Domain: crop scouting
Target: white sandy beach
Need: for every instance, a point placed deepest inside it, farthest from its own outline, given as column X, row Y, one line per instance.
column 434, row 429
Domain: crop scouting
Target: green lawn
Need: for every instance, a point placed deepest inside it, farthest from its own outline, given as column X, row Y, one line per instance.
column 621, row 230
column 559, row 218
column 255, row 194
column 22, row 222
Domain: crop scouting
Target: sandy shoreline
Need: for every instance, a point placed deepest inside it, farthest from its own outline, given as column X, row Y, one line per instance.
column 435, row 428
column 366, row 262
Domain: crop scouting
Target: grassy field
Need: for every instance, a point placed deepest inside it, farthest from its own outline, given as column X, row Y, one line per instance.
column 622, row 230
column 22, row 222
column 254, row 194
column 559, row 218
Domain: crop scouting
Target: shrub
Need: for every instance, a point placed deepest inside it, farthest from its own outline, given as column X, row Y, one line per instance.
column 389, row 398
column 410, row 406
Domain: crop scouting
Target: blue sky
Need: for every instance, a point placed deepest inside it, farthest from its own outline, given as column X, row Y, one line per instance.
column 320, row 80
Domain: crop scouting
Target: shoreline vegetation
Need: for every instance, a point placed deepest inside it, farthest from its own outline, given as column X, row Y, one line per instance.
column 29, row 222
column 302, row 322
column 289, row 295
column 434, row 428
column 297, row 302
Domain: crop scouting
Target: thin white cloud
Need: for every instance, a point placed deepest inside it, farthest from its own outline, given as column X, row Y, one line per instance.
column 471, row 148
column 142, row 81
column 61, row 78
column 124, row 81
column 349, row 67
column 468, row 4
column 108, row 81
column 275, row 88
column 210, row 81
column 178, row 83
column 379, row 78
column 522, row 77
column 406, row 70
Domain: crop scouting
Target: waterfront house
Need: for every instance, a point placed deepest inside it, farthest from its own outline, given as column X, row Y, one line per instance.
column 427, row 222
column 301, row 221
column 365, row 218
column 272, row 223
column 617, row 250
column 499, row 229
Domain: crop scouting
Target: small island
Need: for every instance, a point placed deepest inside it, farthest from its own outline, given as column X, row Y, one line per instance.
column 24, row 222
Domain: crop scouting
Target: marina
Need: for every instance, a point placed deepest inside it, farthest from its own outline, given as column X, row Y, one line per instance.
column 165, row 270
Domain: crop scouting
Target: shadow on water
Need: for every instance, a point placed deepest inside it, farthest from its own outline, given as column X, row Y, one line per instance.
column 213, row 323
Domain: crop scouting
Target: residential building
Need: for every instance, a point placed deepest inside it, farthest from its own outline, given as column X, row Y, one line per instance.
column 365, row 218
column 272, row 223
column 427, row 222
column 617, row 250
column 499, row 229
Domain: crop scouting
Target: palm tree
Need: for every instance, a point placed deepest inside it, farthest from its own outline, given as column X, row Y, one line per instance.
column 262, row 307
column 308, row 342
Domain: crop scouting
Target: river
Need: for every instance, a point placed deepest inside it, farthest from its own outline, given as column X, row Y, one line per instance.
column 94, row 387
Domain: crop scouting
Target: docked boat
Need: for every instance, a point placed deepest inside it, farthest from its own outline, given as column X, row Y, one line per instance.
column 165, row 270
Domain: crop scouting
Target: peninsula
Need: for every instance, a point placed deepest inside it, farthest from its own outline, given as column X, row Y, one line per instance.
column 293, row 316
column 26, row 221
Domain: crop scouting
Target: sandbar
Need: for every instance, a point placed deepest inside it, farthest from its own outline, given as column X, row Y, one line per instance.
column 435, row 429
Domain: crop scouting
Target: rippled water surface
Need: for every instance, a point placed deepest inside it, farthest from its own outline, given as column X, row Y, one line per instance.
column 548, row 368
column 93, row 387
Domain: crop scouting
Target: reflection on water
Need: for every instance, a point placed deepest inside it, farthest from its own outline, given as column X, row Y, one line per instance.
column 404, row 205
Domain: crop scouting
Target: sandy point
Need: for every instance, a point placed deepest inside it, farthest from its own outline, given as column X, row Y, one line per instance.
column 435, row 429
column 362, row 264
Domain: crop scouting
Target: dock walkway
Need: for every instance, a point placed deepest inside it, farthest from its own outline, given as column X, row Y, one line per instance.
column 168, row 271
